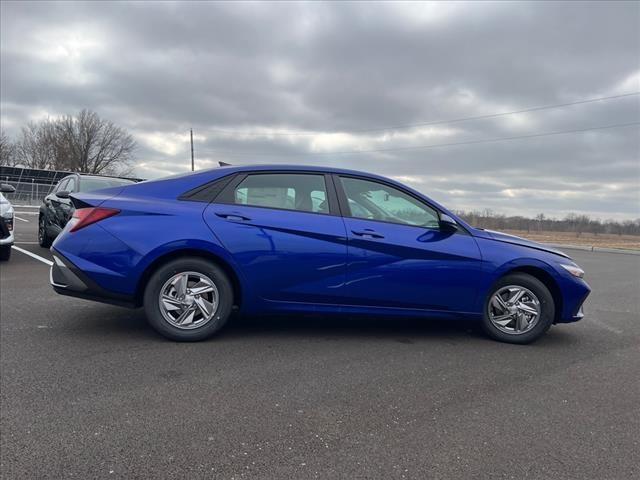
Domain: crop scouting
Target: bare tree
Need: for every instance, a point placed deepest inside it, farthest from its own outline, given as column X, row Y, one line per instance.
column 84, row 143
column 34, row 148
column 7, row 150
column 90, row 144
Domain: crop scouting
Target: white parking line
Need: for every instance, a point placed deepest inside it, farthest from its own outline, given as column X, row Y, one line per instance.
column 18, row 218
column 33, row 255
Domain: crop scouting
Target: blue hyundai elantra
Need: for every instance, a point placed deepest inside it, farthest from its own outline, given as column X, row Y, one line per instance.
column 292, row 239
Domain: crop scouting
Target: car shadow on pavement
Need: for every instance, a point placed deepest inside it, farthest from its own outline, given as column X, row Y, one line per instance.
column 403, row 330
column 132, row 325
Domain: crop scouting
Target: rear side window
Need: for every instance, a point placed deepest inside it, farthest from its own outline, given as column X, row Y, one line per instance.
column 289, row 191
column 89, row 184
column 208, row 192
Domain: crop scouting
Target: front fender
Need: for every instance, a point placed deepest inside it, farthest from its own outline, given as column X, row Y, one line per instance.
column 500, row 258
column 528, row 262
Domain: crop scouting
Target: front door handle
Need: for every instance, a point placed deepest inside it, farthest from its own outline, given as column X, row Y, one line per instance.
column 233, row 216
column 367, row 232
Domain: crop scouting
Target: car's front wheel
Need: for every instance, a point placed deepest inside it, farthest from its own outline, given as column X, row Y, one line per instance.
column 43, row 238
column 518, row 309
column 5, row 252
column 188, row 299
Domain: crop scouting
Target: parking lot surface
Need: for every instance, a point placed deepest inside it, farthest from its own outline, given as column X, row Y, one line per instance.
column 89, row 391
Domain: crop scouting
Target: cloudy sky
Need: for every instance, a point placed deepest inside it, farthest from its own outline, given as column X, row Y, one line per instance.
column 310, row 82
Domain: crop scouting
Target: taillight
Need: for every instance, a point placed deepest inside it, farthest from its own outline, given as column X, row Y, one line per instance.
column 86, row 216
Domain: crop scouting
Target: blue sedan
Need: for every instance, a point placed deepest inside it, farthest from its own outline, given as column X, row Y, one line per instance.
column 192, row 248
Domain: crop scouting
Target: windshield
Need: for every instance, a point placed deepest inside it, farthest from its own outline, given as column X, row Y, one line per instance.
column 88, row 184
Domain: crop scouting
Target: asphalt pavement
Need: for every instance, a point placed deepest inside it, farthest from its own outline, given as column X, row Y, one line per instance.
column 90, row 391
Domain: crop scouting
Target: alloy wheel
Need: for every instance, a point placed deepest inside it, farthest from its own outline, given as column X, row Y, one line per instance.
column 514, row 310
column 188, row 300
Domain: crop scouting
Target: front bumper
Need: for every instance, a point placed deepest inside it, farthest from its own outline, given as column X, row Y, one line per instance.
column 575, row 293
column 7, row 241
column 67, row 279
column 6, row 232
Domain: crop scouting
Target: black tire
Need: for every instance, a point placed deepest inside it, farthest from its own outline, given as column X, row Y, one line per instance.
column 5, row 252
column 547, row 309
column 43, row 238
column 166, row 272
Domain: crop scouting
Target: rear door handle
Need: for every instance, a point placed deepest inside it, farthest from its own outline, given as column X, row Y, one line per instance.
column 367, row 232
column 233, row 216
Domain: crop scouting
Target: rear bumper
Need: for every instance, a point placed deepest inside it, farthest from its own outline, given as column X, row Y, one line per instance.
column 67, row 279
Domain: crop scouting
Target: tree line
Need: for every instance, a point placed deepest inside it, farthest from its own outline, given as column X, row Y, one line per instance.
column 578, row 224
column 82, row 143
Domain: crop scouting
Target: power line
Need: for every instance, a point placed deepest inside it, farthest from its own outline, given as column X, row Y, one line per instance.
column 421, row 147
column 425, row 124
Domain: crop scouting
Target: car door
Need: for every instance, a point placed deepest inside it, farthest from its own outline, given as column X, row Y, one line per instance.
column 56, row 207
column 398, row 255
column 284, row 231
column 65, row 207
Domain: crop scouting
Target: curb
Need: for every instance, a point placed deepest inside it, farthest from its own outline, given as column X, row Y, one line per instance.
column 591, row 248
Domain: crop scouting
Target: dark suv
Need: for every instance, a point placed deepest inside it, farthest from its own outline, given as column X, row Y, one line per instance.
column 56, row 209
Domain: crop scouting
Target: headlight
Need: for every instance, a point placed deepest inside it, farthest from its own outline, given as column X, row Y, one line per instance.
column 7, row 218
column 574, row 270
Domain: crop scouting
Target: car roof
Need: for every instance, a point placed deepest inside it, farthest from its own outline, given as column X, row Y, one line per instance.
column 88, row 175
column 175, row 185
column 284, row 166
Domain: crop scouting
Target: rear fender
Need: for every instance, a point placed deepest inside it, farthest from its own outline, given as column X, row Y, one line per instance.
column 205, row 250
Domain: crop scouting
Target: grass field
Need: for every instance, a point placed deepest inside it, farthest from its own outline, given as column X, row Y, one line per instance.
column 631, row 242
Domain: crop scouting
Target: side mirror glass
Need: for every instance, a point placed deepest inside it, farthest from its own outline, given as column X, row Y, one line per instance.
column 6, row 188
column 62, row 194
column 447, row 223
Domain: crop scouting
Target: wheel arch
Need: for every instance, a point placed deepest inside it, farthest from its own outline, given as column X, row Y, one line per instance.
column 547, row 279
column 189, row 252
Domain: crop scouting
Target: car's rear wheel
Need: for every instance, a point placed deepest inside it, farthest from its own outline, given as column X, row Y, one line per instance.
column 188, row 299
column 43, row 238
column 518, row 309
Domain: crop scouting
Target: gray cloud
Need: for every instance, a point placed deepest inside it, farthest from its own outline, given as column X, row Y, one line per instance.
column 327, row 69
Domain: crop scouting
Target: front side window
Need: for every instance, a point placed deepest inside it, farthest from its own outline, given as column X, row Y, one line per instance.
column 377, row 201
column 290, row 191
column 62, row 185
column 71, row 186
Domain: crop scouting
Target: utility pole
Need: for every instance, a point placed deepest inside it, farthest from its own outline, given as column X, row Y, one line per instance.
column 193, row 168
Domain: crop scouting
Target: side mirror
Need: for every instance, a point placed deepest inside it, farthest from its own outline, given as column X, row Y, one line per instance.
column 448, row 224
column 62, row 194
column 6, row 188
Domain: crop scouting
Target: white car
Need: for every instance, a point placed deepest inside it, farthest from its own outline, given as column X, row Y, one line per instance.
column 6, row 222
